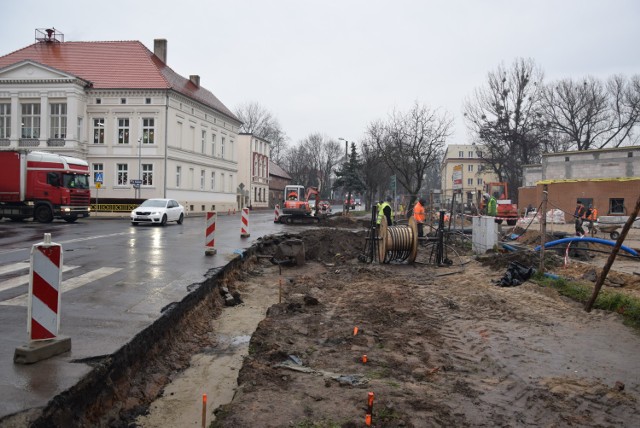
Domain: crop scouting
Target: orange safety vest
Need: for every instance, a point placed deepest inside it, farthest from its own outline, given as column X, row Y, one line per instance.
column 418, row 212
column 594, row 215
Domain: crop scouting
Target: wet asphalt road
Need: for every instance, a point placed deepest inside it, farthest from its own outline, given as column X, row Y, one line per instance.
column 118, row 278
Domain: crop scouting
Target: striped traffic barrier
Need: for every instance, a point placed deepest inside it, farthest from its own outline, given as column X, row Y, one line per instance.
column 43, row 307
column 44, row 290
column 210, row 234
column 277, row 214
column 244, row 229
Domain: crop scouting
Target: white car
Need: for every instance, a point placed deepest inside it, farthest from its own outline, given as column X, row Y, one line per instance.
column 158, row 211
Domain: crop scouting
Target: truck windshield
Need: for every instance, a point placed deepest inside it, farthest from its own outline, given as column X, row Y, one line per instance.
column 75, row 181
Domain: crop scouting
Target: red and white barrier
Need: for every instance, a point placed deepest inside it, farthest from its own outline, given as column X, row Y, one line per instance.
column 277, row 214
column 244, row 229
column 210, row 234
column 45, row 280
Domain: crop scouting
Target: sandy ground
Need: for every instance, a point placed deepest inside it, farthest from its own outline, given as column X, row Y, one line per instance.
column 444, row 347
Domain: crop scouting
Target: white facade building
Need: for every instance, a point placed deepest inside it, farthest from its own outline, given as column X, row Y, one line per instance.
column 121, row 108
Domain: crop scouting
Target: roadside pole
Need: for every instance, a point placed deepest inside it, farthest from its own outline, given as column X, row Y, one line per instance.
column 543, row 225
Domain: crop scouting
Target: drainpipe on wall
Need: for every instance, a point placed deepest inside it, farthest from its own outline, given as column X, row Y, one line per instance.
column 166, row 143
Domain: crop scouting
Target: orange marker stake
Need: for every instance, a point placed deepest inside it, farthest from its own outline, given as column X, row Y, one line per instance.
column 364, row 359
column 367, row 420
column 204, row 410
column 370, row 402
column 355, row 331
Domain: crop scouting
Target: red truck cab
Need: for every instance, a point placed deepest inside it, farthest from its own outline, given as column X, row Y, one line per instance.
column 43, row 186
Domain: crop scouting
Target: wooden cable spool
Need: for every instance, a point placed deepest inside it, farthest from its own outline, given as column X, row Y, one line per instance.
column 397, row 243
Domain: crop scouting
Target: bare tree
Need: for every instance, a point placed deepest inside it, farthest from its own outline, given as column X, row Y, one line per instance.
column 410, row 143
column 323, row 154
column 375, row 172
column 259, row 121
column 504, row 119
column 588, row 114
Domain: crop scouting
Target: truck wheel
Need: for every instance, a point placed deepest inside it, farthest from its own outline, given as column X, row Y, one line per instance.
column 43, row 214
column 512, row 222
column 71, row 219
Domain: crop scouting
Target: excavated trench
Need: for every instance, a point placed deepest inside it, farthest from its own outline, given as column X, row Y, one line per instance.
column 121, row 386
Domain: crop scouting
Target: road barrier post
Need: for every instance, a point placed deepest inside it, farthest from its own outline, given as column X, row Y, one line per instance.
column 43, row 320
column 244, row 229
column 210, row 234
column 277, row 214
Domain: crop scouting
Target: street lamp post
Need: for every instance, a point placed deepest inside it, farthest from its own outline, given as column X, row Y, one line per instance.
column 345, row 206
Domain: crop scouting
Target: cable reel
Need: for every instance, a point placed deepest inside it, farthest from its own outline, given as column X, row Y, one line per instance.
column 397, row 243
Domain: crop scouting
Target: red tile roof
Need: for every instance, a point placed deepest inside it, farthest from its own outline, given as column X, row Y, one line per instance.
column 276, row 170
column 114, row 65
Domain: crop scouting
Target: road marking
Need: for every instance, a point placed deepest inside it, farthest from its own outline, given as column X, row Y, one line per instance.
column 24, row 279
column 68, row 285
column 88, row 238
column 14, row 267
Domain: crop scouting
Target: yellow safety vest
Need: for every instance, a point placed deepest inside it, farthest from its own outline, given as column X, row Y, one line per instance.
column 381, row 208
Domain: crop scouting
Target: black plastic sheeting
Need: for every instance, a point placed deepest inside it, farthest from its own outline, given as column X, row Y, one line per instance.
column 516, row 274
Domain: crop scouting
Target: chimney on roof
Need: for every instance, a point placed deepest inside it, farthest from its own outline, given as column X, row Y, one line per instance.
column 195, row 79
column 160, row 49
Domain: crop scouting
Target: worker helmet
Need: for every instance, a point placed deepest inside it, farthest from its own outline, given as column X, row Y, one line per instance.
column 422, row 201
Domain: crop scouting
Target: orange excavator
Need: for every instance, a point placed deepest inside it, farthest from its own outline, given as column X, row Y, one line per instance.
column 297, row 207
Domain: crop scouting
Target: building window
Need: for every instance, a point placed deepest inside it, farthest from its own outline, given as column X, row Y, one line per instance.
column 213, row 145
column 230, row 182
column 5, row 120
column 470, row 181
column 213, row 181
column 230, row 149
column 122, row 178
column 148, row 132
column 123, row 100
column 123, row 131
column 222, row 182
column 480, row 168
column 58, row 120
column 97, row 168
column 470, row 168
column 222, row 148
column 566, row 158
column 147, row 174
column 98, row 131
column 147, row 100
column 202, row 175
column 616, row 206
column 470, row 154
column 203, row 142
column 30, row 120
column 460, row 154
column 98, row 100
column 178, row 175
column 479, row 181
column 629, row 154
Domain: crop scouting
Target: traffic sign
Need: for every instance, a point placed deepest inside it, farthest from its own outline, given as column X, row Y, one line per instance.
column 98, row 177
column 135, row 182
column 98, row 184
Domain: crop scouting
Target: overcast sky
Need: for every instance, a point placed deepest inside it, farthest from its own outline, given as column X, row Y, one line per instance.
column 335, row 66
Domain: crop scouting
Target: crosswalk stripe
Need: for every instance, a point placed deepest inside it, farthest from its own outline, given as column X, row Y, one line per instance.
column 14, row 267
column 68, row 285
column 24, row 279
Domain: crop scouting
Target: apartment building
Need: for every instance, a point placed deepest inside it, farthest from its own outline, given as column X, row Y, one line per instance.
column 463, row 158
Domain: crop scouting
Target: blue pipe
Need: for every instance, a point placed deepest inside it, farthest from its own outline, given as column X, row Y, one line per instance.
column 588, row 239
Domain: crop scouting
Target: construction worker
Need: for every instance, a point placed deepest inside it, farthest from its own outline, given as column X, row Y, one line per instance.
column 579, row 218
column 591, row 215
column 492, row 205
column 385, row 210
column 419, row 215
column 293, row 196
